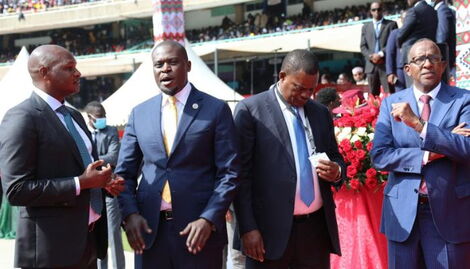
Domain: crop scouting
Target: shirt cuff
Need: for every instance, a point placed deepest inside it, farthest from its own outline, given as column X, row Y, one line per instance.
column 425, row 157
column 381, row 54
column 77, row 186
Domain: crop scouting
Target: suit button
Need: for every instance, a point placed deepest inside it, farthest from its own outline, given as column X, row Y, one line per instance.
column 415, row 190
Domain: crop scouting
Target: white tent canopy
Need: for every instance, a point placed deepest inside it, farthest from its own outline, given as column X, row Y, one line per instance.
column 141, row 86
column 16, row 86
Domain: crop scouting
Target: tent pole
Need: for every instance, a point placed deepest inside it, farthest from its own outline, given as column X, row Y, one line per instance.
column 216, row 63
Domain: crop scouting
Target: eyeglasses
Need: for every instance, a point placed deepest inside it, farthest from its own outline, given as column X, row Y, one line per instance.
column 375, row 9
column 434, row 59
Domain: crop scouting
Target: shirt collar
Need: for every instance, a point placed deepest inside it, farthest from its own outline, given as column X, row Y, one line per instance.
column 417, row 3
column 438, row 5
column 379, row 21
column 51, row 101
column 181, row 96
column 433, row 93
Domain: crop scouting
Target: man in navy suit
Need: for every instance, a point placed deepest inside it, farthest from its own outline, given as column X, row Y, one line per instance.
column 420, row 22
column 285, row 207
column 183, row 142
column 393, row 65
column 374, row 40
column 446, row 32
column 427, row 197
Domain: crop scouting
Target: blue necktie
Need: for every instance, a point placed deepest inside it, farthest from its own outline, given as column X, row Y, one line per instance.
column 377, row 33
column 307, row 194
column 96, row 201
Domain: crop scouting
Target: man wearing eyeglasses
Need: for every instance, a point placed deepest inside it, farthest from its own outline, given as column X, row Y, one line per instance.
column 374, row 38
column 422, row 141
column 420, row 22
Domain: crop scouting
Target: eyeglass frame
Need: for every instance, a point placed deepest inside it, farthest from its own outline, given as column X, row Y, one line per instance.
column 434, row 59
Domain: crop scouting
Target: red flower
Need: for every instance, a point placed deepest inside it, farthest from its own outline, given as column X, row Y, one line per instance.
column 371, row 173
column 369, row 146
column 361, row 154
column 358, row 144
column 371, row 182
column 346, row 145
column 351, row 171
column 355, row 184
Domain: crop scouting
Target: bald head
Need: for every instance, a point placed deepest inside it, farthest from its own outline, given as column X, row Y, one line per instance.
column 44, row 56
column 172, row 44
column 424, row 42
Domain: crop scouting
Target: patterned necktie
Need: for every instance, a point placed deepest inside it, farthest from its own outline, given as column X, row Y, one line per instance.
column 307, row 194
column 170, row 125
column 425, row 113
column 96, row 201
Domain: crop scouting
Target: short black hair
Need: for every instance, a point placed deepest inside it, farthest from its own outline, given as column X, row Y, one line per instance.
column 93, row 106
column 171, row 43
column 326, row 95
column 300, row 60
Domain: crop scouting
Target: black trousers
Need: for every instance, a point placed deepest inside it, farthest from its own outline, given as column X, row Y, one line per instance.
column 378, row 78
column 309, row 246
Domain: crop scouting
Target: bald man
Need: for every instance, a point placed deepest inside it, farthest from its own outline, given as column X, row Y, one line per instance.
column 46, row 159
column 417, row 139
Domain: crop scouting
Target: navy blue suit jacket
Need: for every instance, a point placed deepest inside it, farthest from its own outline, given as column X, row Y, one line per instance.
column 420, row 22
column 399, row 150
column 446, row 32
column 202, row 169
column 266, row 198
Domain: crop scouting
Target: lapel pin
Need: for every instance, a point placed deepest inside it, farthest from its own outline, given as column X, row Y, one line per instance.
column 195, row 106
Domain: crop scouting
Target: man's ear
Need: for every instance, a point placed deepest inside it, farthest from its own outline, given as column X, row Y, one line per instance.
column 282, row 75
column 43, row 71
column 406, row 68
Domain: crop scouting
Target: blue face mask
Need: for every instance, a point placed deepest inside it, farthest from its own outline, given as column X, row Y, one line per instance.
column 100, row 123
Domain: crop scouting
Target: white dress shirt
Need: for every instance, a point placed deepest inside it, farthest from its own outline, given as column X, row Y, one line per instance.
column 181, row 98
column 54, row 104
column 300, row 208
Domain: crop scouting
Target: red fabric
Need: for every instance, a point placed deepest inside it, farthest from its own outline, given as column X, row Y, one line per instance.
column 358, row 215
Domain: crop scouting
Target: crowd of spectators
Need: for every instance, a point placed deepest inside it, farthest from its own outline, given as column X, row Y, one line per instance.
column 262, row 23
column 20, row 6
column 101, row 39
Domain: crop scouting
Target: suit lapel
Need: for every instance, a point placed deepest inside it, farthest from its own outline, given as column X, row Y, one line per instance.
column 280, row 127
column 48, row 113
column 156, row 121
column 441, row 105
column 314, row 125
column 191, row 109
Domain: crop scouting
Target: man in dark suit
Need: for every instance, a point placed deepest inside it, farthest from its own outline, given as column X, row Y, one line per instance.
column 427, row 197
column 420, row 22
column 393, row 65
column 46, row 159
column 184, row 143
column 374, row 38
column 285, row 207
column 446, row 34
column 106, row 139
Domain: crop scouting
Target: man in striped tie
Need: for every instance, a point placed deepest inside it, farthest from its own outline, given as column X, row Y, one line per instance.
column 419, row 139
column 50, row 169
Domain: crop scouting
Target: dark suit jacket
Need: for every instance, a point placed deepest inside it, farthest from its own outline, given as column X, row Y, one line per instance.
column 267, row 192
column 420, row 22
column 393, row 60
column 368, row 41
column 446, row 32
column 202, row 169
column 38, row 160
column 399, row 150
column 107, row 144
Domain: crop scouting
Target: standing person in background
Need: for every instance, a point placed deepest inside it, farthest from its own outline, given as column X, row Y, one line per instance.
column 393, row 65
column 374, row 38
column 420, row 22
column 184, row 144
column 285, row 206
column 107, row 143
column 427, row 196
column 46, row 159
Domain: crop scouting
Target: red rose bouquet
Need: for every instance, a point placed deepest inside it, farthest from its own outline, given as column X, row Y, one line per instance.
column 355, row 131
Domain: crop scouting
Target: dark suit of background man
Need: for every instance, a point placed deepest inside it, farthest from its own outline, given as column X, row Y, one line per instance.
column 374, row 38
column 446, row 32
column 184, row 143
column 427, row 197
column 393, row 67
column 106, row 139
column 286, row 212
column 420, row 22
column 45, row 159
